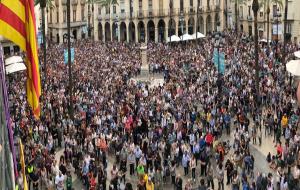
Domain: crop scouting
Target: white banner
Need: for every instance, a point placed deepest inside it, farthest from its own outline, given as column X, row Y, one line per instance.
column 275, row 27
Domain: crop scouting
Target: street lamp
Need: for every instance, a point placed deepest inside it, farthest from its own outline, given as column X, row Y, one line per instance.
column 181, row 20
column 117, row 28
column 218, row 40
column 278, row 15
column 255, row 7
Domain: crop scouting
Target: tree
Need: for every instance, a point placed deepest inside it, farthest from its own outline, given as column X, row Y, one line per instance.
column 44, row 4
column 236, row 10
column 266, row 5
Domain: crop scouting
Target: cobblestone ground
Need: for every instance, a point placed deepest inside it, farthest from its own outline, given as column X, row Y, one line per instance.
column 259, row 153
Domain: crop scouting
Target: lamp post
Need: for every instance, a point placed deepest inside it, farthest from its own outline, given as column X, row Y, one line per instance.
column 181, row 20
column 171, row 23
column 218, row 39
column 278, row 15
column 43, row 6
column 69, row 61
column 255, row 7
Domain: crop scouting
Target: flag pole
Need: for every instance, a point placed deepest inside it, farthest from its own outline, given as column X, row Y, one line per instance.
column 7, row 154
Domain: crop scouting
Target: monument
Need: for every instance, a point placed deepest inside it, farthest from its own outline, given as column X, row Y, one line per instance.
column 145, row 66
column 144, row 76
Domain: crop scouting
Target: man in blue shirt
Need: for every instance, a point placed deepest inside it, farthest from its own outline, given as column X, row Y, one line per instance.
column 185, row 163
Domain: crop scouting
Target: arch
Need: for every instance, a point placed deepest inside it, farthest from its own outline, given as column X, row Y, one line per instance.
column 161, row 27
column 200, row 27
column 191, row 25
column 141, row 31
column 151, row 30
column 123, row 32
column 217, row 23
column 107, row 32
column 181, row 27
column 115, row 31
column 100, row 33
column 131, row 32
column 74, row 33
column 57, row 38
column 208, row 24
column 172, row 27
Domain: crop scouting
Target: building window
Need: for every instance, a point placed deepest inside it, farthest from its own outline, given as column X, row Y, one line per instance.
column 289, row 28
column 122, row 6
column 99, row 10
column 82, row 13
column 191, row 5
column 114, row 9
column 208, row 4
column 57, row 16
column 107, row 10
column 274, row 10
column 74, row 15
column 150, row 4
column 50, row 15
column 241, row 12
column 261, row 14
column 181, row 5
column 140, row 4
column 65, row 16
column 249, row 10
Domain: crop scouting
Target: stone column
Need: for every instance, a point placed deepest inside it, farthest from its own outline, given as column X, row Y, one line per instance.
column 156, row 34
column 127, row 33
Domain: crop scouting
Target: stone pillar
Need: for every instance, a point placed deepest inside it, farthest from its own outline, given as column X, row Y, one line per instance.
column 118, row 32
column 156, row 34
column 96, row 30
column 146, row 33
column 136, row 34
column 127, row 33
column 204, row 25
column 145, row 66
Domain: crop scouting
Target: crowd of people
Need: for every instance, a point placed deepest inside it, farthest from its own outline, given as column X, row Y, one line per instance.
column 122, row 134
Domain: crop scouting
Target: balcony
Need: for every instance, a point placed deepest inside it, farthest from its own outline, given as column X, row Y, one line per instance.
column 249, row 18
column 192, row 11
column 123, row 15
column 161, row 13
column 107, row 17
column 150, row 14
column 140, row 14
column 217, row 8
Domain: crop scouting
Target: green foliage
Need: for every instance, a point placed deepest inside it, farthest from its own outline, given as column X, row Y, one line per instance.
column 49, row 3
column 105, row 3
column 267, row 3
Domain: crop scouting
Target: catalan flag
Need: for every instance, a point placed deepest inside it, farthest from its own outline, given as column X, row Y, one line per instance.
column 23, row 165
column 17, row 23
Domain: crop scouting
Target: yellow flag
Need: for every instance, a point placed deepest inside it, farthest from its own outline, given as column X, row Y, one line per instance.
column 23, row 165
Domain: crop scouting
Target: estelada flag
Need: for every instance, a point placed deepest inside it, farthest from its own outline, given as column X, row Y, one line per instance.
column 17, row 24
column 22, row 160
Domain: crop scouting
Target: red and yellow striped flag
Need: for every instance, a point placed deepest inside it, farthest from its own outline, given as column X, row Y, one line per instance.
column 22, row 160
column 17, row 23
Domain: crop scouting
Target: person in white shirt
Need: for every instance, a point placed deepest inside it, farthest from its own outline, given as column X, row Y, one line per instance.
column 59, row 181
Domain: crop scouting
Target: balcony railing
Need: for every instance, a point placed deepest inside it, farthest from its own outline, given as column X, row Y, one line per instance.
column 162, row 12
column 140, row 14
column 150, row 13
column 192, row 10
column 153, row 13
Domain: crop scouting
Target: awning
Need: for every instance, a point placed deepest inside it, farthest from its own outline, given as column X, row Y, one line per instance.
column 174, row 38
column 186, row 37
column 13, row 59
column 293, row 67
column 198, row 35
column 297, row 54
column 15, row 67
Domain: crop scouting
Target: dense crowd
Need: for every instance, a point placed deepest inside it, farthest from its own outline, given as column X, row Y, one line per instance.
column 126, row 135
